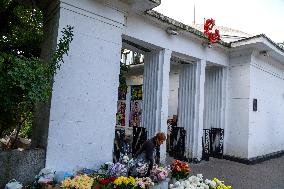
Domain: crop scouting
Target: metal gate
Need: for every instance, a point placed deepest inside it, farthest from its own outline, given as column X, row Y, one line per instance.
column 139, row 137
column 176, row 148
column 118, row 144
column 212, row 143
column 123, row 145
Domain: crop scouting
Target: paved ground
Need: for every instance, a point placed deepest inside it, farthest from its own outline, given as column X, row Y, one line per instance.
column 265, row 175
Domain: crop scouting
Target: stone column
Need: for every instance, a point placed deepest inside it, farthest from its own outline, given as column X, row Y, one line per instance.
column 191, row 105
column 84, row 97
column 199, row 104
column 156, row 94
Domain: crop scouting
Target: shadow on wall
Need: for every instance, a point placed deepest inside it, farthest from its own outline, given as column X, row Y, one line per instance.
column 20, row 165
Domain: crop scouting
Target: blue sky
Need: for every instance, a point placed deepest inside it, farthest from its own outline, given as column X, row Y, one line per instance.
column 250, row 16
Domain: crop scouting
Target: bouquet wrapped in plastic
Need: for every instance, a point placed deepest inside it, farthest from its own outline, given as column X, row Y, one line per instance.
column 144, row 182
column 159, row 173
column 180, row 169
column 117, row 170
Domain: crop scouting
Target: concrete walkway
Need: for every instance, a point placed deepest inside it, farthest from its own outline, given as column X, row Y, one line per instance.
column 265, row 175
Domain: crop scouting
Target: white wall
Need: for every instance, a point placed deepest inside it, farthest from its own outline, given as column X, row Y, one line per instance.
column 237, row 126
column 266, row 125
column 83, row 105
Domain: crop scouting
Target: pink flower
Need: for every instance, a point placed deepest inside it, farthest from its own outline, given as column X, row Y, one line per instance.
column 161, row 176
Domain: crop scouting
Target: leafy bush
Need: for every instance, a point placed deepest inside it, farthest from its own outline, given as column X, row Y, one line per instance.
column 25, row 79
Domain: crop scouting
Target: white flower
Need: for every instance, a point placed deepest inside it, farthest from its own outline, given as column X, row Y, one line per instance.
column 207, row 181
column 194, row 184
column 206, row 187
column 187, row 182
column 219, row 182
column 212, row 184
column 125, row 157
column 199, row 176
column 171, row 186
column 177, row 183
column 190, row 179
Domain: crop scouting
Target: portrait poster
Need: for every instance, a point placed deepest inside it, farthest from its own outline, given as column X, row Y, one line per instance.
column 122, row 93
column 136, row 92
column 120, row 115
column 135, row 113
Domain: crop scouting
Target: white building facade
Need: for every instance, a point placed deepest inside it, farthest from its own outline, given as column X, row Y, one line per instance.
column 217, row 86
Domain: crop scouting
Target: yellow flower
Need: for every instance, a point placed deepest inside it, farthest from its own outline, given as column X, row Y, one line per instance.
column 124, row 180
column 215, row 179
column 220, row 184
column 76, row 185
column 132, row 180
column 78, row 182
column 66, row 183
column 117, row 181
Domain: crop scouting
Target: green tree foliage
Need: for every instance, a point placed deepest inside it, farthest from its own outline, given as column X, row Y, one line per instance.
column 25, row 79
column 124, row 69
column 21, row 28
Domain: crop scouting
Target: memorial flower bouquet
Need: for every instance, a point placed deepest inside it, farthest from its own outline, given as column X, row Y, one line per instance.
column 104, row 183
column 104, row 169
column 117, row 170
column 196, row 182
column 193, row 182
column 123, row 182
column 180, row 169
column 78, row 182
column 216, row 184
column 159, row 173
column 144, row 182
